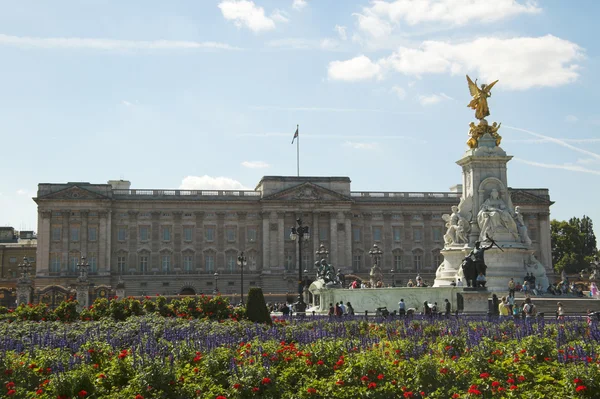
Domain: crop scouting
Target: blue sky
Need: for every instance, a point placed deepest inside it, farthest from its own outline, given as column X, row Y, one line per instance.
column 208, row 93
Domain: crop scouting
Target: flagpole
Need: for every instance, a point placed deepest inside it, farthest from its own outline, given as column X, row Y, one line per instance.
column 298, row 150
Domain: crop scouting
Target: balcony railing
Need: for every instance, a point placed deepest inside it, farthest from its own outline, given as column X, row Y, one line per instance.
column 186, row 193
column 386, row 194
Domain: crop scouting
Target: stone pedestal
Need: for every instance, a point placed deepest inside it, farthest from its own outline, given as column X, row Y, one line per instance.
column 83, row 295
column 475, row 301
column 23, row 293
column 448, row 271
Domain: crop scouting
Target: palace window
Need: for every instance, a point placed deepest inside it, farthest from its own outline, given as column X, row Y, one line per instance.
column 92, row 234
column 231, row 259
column 376, row 233
column 187, row 234
column 209, row 233
column 397, row 262
column 55, row 263
column 166, row 263
column 417, row 259
column 122, row 233
column 74, row 233
column 437, row 234
column 289, row 262
column 356, row 234
column 92, row 261
column 323, row 233
column 188, row 261
column 417, row 234
column 144, row 233
column 209, row 261
column 230, row 234
column 357, row 262
column 121, row 264
column 251, row 234
column 56, row 233
column 166, row 236
column 397, row 233
column 143, row 263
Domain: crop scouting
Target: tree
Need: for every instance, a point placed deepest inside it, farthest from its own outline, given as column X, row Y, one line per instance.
column 573, row 244
column 256, row 308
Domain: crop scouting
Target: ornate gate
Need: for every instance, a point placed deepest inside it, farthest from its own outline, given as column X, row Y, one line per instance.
column 53, row 295
column 8, row 297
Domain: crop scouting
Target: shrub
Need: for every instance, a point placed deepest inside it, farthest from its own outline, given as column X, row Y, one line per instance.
column 256, row 309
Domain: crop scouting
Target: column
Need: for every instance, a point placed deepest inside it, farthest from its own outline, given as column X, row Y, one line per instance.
column 333, row 242
column 387, row 243
column 241, row 233
column 266, row 255
column 315, row 233
column 103, row 238
column 544, row 241
column 348, row 239
column 220, row 241
column 132, row 242
column 66, row 228
column 109, row 237
column 199, row 240
column 176, row 240
column 42, row 255
column 279, row 262
column 83, row 239
column 155, row 242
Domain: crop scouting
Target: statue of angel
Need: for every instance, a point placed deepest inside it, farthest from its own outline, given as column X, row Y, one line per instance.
column 480, row 95
column 457, row 223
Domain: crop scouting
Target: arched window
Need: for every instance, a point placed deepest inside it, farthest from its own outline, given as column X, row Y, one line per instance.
column 418, row 260
column 144, row 262
column 397, row 260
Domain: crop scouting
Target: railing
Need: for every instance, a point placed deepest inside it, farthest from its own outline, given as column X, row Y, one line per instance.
column 187, row 193
column 385, row 194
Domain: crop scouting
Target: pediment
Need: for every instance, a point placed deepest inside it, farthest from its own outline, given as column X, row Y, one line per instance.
column 307, row 192
column 522, row 197
column 74, row 193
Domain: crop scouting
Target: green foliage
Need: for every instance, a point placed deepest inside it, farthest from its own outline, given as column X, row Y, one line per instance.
column 573, row 244
column 67, row 311
column 256, row 308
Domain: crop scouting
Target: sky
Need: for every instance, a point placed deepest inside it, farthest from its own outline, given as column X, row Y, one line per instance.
column 207, row 94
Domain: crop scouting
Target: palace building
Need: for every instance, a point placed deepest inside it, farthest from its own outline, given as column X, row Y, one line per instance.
column 156, row 241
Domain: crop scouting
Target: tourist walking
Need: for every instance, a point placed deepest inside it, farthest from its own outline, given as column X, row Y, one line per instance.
column 448, row 307
column 349, row 309
column 529, row 309
column 594, row 290
column 560, row 312
column 511, row 287
column 401, row 307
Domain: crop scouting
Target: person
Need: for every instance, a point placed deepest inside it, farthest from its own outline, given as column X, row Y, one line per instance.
column 331, row 310
column 503, row 308
column 495, row 304
column 516, row 310
column 459, row 283
column 511, row 301
column 511, row 286
column 300, row 306
column 343, row 307
column 525, row 286
column 338, row 310
column 434, row 309
column 410, row 283
column 560, row 312
column 594, row 290
column 401, row 307
column 481, row 280
column 529, row 308
column 354, row 284
column 589, row 318
column 426, row 309
column 285, row 311
column 448, row 306
column 349, row 309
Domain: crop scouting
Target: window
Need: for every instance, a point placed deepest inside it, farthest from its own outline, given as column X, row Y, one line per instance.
column 251, row 234
column 397, row 232
column 166, row 263
column 144, row 233
column 121, row 264
column 187, row 234
column 166, row 236
column 92, row 234
column 231, row 283
column 437, row 260
column 356, row 234
column 74, row 233
column 230, row 234
column 323, row 233
column 166, row 284
column 55, row 263
column 92, row 261
column 12, row 259
column 289, row 262
column 306, row 263
column 188, row 261
column 417, row 234
column 121, row 233
column 143, row 263
column 73, row 261
column 397, row 262
column 417, row 261
column 376, row 233
column 56, row 233
column 209, row 261
column 437, row 234
column 356, row 262
column 230, row 263
column 209, row 233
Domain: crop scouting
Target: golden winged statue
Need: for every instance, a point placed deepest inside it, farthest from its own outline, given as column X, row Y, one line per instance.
column 480, row 96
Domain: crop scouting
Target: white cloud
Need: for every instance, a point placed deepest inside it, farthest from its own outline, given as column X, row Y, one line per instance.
column 357, row 68
column 299, row 4
column 451, row 12
column 126, row 103
column 21, row 192
column 329, row 44
column 566, row 166
column 304, row 44
column 361, row 146
column 245, row 13
column 77, row 43
column 433, row 99
column 255, row 164
column 571, row 118
column 280, row 16
column 210, row 183
column 519, row 63
column 373, row 25
column 341, row 31
column 399, row 91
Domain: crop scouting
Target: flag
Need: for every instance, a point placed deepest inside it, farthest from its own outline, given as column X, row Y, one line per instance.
column 295, row 135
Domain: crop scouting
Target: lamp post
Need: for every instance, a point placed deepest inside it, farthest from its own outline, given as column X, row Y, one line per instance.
column 83, row 267
column 300, row 233
column 375, row 254
column 216, row 282
column 241, row 261
column 24, row 269
column 393, row 279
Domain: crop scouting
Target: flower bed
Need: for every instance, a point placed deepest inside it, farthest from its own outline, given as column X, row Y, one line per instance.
column 170, row 357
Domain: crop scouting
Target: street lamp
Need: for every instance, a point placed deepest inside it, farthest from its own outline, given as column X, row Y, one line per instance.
column 83, row 267
column 24, row 269
column 375, row 253
column 393, row 279
column 300, row 233
column 241, row 261
column 216, row 283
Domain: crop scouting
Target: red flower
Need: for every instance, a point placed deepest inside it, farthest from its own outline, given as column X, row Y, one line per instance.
column 11, row 392
column 39, row 392
column 311, row 390
column 380, row 377
column 266, row 381
column 372, row 385
column 10, row 385
column 320, row 363
column 138, row 396
column 510, row 381
column 581, row 388
column 408, row 394
column 521, row 378
column 577, row 381
column 339, row 382
column 220, row 396
column 364, row 378
column 513, row 387
column 255, row 389
column 455, row 396
column 484, row 375
column 495, row 384
column 82, row 394
column 443, row 370
column 473, row 389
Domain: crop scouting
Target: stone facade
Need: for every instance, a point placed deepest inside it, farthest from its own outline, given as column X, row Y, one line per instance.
column 170, row 241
